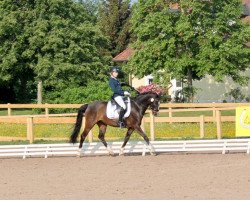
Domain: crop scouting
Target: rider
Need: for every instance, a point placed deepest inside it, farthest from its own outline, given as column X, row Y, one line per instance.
column 118, row 93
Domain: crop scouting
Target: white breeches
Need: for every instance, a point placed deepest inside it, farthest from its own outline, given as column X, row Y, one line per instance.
column 120, row 102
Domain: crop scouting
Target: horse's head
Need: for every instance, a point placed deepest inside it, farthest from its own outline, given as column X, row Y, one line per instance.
column 154, row 103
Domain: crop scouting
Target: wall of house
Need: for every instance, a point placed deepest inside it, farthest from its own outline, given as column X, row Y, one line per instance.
column 136, row 82
column 212, row 91
column 208, row 89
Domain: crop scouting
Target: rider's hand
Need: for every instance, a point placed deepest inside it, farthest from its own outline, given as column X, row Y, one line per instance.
column 126, row 93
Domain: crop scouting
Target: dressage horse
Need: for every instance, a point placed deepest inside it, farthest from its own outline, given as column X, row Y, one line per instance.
column 95, row 113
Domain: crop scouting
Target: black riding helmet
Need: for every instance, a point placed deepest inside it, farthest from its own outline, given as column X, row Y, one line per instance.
column 114, row 69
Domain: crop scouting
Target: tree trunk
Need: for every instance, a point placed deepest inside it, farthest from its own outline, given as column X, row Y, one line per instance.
column 39, row 92
column 190, row 85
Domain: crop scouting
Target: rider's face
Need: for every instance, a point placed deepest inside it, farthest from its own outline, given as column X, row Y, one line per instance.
column 114, row 74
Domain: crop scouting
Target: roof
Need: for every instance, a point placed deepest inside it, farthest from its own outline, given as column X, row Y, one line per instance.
column 124, row 55
column 247, row 2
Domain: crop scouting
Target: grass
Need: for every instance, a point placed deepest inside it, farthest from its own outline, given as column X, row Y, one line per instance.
column 163, row 131
column 197, row 113
column 4, row 112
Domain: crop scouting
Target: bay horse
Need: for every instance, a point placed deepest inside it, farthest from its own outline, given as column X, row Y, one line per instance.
column 95, row 113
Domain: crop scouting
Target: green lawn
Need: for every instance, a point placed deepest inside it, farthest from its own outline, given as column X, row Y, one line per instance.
column 176, row 114
column 162, row 131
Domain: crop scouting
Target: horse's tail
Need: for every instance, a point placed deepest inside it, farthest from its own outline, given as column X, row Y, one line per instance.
column 78, row 123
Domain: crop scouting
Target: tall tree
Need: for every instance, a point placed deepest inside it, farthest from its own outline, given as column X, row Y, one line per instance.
column 54, row 41
column 114, row 22
column 190, row 40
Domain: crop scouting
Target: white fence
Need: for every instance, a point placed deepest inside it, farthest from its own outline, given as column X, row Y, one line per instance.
column 187, row 146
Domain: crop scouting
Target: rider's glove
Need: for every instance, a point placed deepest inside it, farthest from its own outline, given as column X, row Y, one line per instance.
column 126, row 93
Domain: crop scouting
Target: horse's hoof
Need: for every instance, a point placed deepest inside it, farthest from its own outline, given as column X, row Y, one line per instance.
column 121, row 154
column 153, row 154
column 112, row 154
column 79, row 153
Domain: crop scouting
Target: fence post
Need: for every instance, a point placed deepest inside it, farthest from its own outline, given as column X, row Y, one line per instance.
column 143, row 124
column 46, row 109
column 30, row 131
column 90, row 136
column 218, row 123
column 214, row 114
column 202, row 132
column 9, row 109
column 170, row 115
column 152, row 126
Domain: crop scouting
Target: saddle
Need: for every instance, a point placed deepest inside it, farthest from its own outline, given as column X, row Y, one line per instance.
column 113, row 109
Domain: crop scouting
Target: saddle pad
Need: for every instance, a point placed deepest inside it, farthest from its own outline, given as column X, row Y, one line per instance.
column 112, row 110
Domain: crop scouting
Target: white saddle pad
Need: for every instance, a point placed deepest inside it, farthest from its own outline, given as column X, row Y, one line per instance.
column 112, row 111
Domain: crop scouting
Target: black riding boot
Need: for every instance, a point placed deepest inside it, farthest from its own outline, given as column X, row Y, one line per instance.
column 121, row 114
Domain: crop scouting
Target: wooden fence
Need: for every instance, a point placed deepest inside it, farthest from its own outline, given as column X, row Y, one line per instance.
column 170, row 108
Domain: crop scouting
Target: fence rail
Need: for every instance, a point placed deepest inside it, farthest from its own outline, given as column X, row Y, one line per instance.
column 191, row 146
column 170, row 108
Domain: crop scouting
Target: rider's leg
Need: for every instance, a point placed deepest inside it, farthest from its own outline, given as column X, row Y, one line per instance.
column 121, row 103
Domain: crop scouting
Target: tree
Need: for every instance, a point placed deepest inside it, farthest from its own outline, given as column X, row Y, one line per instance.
column 196, row 39
column 54, row 41
column 114, row 22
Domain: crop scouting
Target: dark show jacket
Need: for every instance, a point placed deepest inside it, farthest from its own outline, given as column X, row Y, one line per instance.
column 115, row 87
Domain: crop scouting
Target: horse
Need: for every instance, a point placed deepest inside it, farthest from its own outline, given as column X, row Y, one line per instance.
column 95, row 113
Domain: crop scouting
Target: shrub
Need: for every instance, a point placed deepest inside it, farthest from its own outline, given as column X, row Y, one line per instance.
column 96, row 90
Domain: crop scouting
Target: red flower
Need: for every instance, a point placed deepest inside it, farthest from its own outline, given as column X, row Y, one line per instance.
column 151, row 88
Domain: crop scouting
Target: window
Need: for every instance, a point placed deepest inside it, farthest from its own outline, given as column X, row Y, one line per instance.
column 178, row 83
column 150, row 81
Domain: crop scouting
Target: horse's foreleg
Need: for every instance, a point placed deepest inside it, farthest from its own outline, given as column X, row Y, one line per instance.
column 101, row 136
column 128, row 134
column 145, row 137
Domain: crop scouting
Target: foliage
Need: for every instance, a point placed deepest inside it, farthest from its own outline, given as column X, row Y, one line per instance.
column 114, row 16
column 185, row 94
column 198, row 38
column 96, row 90
column 52, row 41
column 236, row 94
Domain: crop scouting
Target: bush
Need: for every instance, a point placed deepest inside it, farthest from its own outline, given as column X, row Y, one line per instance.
column 96, row 90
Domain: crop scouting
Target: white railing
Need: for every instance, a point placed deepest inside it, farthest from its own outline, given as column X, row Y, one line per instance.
column 97, row 148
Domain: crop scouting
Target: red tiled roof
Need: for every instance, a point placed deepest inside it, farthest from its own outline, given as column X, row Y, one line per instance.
column 124, row 55
column 247, row 2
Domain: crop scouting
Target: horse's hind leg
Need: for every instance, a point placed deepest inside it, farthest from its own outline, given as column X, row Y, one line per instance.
column 83, row 136
column 145, row 137
column 85, row 132
column 101, row 136
column 128, row 134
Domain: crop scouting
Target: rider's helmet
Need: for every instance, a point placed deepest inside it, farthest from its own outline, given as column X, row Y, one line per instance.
column 114, row 69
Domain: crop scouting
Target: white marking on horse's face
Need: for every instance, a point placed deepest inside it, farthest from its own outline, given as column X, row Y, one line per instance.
column 152, row 99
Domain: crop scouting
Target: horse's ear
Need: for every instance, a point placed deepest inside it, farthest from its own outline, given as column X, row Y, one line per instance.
column 152, row 99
